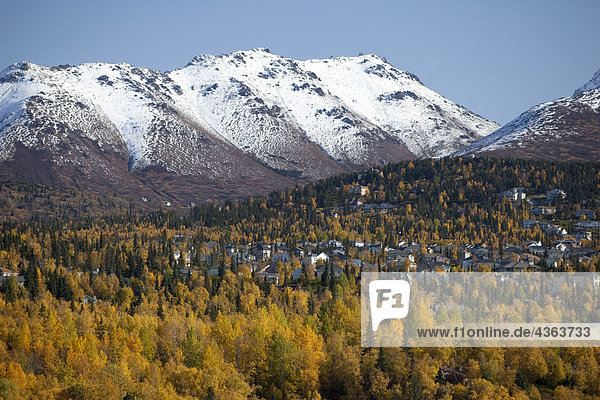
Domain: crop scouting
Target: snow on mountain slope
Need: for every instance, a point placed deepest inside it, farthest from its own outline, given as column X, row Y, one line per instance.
column 248, row 115
column 340, row 104
column 426, row 122
column 567, row 128
column 114, row 126
column 592, row 84
column 218, row 95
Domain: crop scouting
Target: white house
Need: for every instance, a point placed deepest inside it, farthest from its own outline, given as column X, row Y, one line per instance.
column 515, row 194
column 314, row 259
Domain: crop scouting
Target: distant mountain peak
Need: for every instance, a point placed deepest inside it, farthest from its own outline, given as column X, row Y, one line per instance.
column 592, row 84
column 564, row 129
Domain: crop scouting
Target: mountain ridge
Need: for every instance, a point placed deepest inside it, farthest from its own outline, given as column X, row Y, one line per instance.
column 567, row 128
column 220, row 120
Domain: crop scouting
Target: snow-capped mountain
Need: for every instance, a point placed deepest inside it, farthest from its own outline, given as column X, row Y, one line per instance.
column 564, row 129
column 235, row 124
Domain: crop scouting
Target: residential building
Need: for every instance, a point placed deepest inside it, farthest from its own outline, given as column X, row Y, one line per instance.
column 515, row 194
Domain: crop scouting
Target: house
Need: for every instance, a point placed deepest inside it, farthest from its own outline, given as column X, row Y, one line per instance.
column 413, row 249
column 358, row 190
column 556, row 230
column 530, row 258
column 382, row 208
column 332, row 243
column 400, row 259
column 337, row 270
column 543, row 210
column 555, row 253
column 588, row 224
column 530, row 223
column 555, row 195
column 550, row 229
column 481, row 252
column 537, row 250
column 339, row 253
column 580, row 252
column 187, row 257
column 582, row 235
column 5, row 272
column 179, row 238
column 514, row 194
column 509, row 257
column 309, row 248
column 467, row 263
column 515, row 266
column 365, row 267
column 533, row 243
column 280, row 256
column 298, row 252
column 587, row 214
column 187, row 271
column 433, row 266
column 206, row 259
column 375, row 247
column 453, row 375
column 244, row 258
column 565, row 245
column 261, row 251
column 440, row 248
column 230, row 249
column 297, row 274
column 553, row 258
column 434, row 262
column 315, row 258
column 512, row 249
column 398, row 256
column 269, row 273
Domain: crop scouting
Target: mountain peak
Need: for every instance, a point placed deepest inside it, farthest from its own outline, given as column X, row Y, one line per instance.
column 261, row 50
column 18, row 66
column 204, row 58
column 563, row 129
column 592, row 84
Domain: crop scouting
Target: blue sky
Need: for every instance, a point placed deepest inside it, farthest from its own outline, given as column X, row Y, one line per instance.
column 497, row 58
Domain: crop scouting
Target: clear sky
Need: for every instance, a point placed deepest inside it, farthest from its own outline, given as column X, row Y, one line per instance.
column 497, row 58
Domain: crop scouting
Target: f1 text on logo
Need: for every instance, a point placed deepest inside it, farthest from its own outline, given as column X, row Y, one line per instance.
column 389, row 300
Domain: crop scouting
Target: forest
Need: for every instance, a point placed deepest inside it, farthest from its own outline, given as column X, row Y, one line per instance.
column 105, row 310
